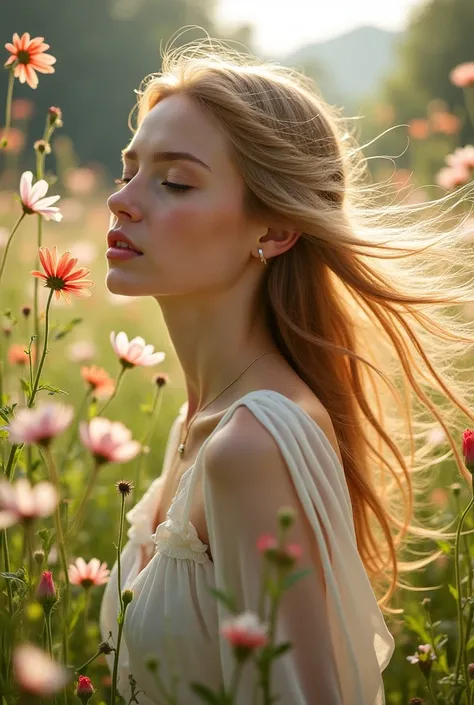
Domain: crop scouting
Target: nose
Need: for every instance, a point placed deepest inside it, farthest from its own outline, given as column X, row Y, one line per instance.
column 121, row 206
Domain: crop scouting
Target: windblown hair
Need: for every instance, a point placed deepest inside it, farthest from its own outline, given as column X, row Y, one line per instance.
column 362, row 305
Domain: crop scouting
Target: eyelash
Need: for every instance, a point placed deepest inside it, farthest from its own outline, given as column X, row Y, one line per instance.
column 169, row 184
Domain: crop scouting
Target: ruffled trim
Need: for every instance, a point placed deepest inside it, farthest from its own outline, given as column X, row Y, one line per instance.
column 178, row 541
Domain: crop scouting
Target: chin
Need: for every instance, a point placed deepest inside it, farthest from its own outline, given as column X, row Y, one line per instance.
column 118, row 283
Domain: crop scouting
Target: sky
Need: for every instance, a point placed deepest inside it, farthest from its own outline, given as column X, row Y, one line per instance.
column 284, row 25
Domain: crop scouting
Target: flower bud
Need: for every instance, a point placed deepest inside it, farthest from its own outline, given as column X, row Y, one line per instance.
column 46, row 592
column 468, row 449
column 38, row 555
column 416, row 701
column 455, row 488
column 470, row 670
column 127, row 596
column 286, row 517
column 26, row 310
column 161, row 379
column 54, row 116
column 151, row 664
column 84, row 689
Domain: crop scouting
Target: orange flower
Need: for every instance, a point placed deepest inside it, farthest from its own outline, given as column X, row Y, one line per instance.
column 29, row 53
column 61, row 276
column 419, row 129
column 99, row 380
column 18, row 356
column 448, row 123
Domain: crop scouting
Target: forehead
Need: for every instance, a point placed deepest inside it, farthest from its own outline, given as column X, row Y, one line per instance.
column 178, row 123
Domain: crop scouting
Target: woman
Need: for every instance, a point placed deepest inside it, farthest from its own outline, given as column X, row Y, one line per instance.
column 238, row 213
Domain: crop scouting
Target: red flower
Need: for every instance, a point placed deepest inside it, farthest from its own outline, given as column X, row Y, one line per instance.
column 468, row 449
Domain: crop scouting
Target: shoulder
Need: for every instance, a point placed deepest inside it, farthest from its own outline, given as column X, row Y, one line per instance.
column 245, row 446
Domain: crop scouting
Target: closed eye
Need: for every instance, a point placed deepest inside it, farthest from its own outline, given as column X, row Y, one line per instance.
column 170, row 184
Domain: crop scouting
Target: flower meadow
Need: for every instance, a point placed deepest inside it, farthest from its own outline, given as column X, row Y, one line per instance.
column 81, row 439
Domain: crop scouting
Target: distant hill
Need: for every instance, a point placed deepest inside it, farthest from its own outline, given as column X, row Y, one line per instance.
column 349, row 66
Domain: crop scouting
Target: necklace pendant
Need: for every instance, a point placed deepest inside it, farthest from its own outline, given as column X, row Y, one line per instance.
column 181, row 449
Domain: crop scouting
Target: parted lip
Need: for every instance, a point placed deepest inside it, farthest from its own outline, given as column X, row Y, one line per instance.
column 114, row 235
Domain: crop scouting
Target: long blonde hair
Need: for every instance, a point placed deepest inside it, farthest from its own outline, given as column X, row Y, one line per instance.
column 362, row 305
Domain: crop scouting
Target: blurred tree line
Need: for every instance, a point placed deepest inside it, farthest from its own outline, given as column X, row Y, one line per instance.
column 104, row 48
column 439, row 36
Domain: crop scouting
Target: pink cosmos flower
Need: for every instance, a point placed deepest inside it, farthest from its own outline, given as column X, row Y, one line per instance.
column 463, row 74
column 135, row 353
column 32, row 198
column 462, row 157
column 245, row 630
column 450, row 177
column 266, row 542
column 29, row 53
column 40, row 424
column 21, row 502
column 36, row 673
column 109, row 441
column 87, row 574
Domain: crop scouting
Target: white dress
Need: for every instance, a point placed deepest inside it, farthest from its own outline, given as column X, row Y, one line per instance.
column 341, row 643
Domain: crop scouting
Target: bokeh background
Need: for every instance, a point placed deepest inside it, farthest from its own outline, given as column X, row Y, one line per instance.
column 386, row 65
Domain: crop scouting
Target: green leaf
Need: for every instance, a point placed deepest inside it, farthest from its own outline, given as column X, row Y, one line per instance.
column 227, row 599
column 445, row 546
column 12, row 576
column 6, row 412
column 64, row 330
column 206, row 694
column 294, row 577
column 52, row 390
column 453, row 591
column 417, row 625
column 26, row 386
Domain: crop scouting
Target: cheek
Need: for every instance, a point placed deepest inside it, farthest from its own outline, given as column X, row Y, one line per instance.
column 202, row 227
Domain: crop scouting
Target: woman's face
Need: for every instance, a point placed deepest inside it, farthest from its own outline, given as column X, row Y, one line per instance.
column 195, row 239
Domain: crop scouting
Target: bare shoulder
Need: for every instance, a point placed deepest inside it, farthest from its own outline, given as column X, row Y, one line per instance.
column 244, row 442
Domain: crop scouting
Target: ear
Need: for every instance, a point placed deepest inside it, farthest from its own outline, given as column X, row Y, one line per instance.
column 277, row 241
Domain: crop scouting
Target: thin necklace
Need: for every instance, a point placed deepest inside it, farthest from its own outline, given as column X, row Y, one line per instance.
column 182, row 445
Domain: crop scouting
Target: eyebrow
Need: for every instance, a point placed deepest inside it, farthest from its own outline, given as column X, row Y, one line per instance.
column 131, row 155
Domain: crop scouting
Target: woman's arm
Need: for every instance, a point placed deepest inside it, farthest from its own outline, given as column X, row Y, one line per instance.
column 245, row 482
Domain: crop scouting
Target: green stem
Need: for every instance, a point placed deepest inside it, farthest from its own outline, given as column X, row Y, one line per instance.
column 45, row 350
column 461, row 647
column 7, row 247
column 73, row 431
column 430, row 689
column 235, row 682
column 120, row 620
column 114, row 393
column 84, row 665
column 119, row 551
column 122, row 607
column 8, row 113
column 62, row 550
column 79, row 515
column 144, row 443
